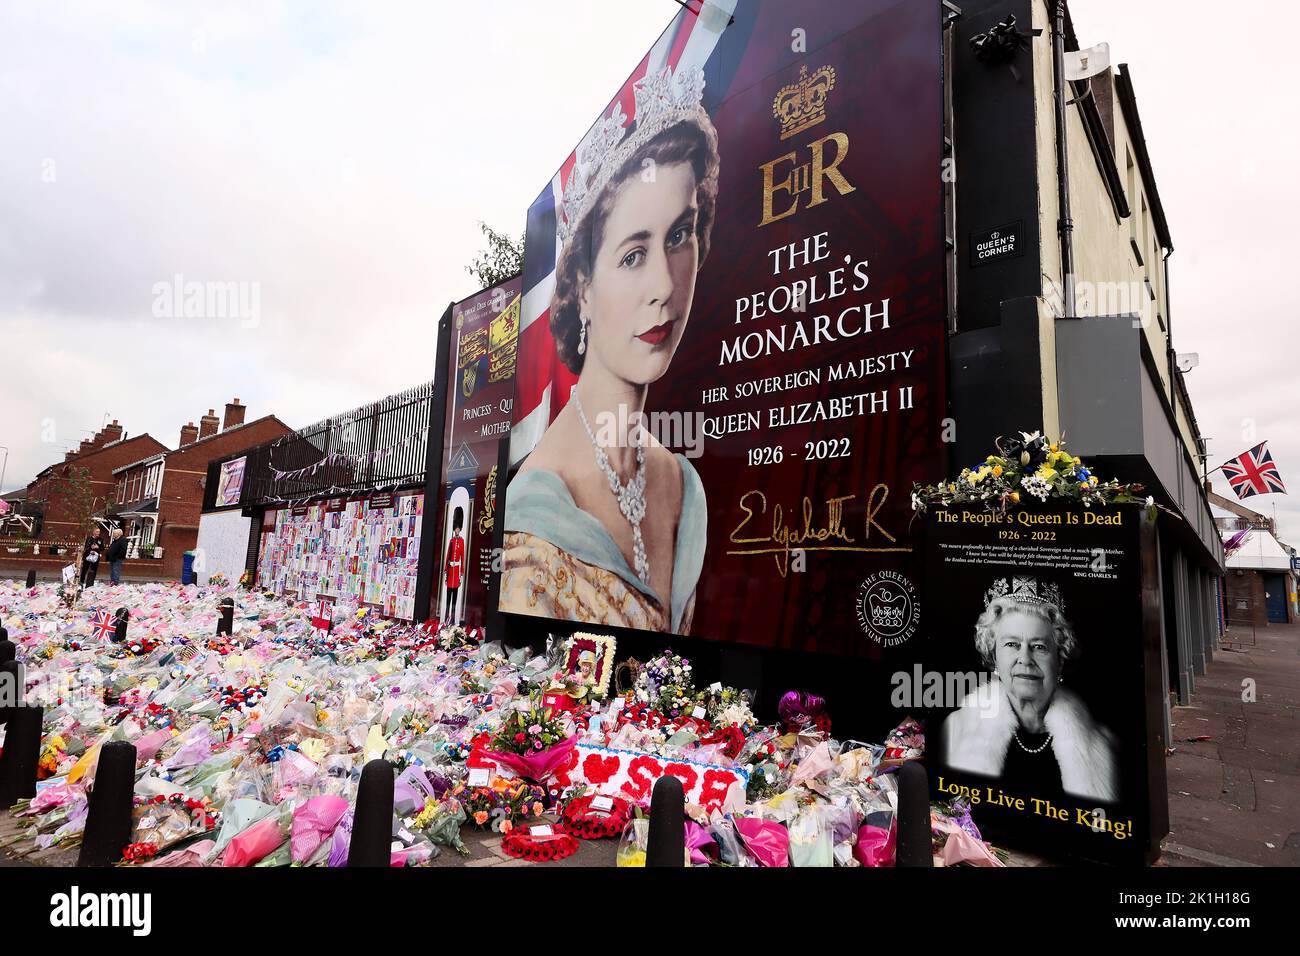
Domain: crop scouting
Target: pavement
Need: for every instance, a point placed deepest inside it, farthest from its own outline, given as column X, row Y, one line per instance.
column 1234, row 799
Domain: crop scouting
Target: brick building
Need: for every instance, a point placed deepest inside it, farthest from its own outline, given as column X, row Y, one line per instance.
column 48, row 508
column 1259, row 586
column 157, row 499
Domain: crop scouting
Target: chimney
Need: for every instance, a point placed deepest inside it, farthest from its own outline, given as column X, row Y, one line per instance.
column 189, row 432
column 69, row 455
column 86, row 445
column 234, row 415
column 112, row 433
column 208, row 425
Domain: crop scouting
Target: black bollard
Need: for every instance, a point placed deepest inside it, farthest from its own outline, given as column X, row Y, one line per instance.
column 22, row 754
column 372, row 820
column 108, row 823
column 666, row 845
column 915, row 847
column 13, row 686
column 31, row 579
column 119, row 625
column 226, row 622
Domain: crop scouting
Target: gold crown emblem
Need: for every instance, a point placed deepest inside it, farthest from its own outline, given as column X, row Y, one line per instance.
column 1026, row 591
column 803, row 104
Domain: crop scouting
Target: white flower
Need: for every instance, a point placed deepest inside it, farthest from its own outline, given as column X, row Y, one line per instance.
column 1150, row 501
column 1038, row 487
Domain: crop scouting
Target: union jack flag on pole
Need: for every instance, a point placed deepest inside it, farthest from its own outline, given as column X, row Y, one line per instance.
column 1254, row 472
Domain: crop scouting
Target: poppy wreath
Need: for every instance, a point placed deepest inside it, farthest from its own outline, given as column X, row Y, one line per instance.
column 588, row 824
column 522, row 845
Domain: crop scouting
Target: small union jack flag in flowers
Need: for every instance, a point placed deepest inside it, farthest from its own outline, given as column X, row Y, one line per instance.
column 102, row 625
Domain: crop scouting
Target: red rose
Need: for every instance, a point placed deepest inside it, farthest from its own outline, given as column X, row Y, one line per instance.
column 520, row 738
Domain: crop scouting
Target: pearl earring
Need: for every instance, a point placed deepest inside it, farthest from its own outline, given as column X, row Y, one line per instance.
column 582, row 338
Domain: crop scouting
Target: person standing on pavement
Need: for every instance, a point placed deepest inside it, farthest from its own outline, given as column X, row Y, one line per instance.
column 91, row 552
column 116, row 555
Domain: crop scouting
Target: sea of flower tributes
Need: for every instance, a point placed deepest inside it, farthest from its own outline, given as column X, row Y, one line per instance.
column 250, row 746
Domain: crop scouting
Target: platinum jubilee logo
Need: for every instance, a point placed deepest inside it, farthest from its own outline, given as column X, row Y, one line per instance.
column 887, row 608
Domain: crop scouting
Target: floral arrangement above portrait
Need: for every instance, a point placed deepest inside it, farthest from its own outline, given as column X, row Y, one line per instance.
column 1024, row 468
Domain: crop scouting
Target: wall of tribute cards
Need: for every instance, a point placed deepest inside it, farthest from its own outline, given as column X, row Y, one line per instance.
column 362, row 548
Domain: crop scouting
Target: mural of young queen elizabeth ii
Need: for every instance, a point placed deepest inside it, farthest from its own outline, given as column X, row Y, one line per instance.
column 602, row 523
column 1028, row 727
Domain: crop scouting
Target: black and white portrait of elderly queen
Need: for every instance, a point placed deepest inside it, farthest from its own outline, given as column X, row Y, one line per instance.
column 1027, row 727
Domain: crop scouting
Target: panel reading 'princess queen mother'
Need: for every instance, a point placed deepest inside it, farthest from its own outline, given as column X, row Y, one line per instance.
column 731, row 336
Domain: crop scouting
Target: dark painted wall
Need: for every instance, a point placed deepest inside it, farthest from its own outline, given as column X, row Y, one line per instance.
column 994, row 141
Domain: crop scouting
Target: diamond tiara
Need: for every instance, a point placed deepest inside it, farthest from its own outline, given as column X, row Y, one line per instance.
column 1025, row 591
column 662, row 100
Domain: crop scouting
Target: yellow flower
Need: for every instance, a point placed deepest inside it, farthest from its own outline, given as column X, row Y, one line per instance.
column 1015, row 497
column 1055, row 447
column 997, row 471
column 1046, row 472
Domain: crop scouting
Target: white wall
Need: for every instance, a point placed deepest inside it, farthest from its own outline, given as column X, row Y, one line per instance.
column 223, row 545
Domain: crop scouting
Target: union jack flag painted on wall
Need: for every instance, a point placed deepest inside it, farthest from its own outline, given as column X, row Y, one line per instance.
column 1254, row 473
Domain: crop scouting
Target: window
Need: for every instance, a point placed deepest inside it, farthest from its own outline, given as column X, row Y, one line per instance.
column 121, row 490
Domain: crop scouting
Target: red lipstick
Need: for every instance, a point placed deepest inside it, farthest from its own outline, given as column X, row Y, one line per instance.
column 656, row 335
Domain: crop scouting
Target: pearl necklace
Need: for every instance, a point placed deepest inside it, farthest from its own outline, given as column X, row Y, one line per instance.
column 1035, row 750
column 631, row 497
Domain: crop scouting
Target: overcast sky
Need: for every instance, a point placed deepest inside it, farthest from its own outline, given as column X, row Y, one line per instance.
column 337, row 156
